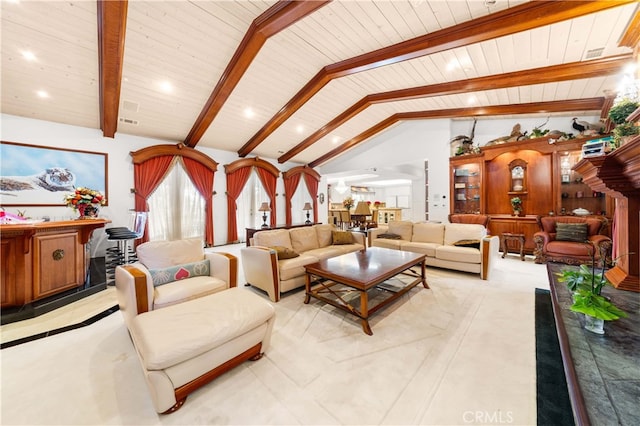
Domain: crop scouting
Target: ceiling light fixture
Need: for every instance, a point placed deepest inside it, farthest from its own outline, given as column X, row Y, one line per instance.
column 249, row 113
column 335, row 139
column 42, row 94
column 166, row 87
column 300, row 128
column 28, row 55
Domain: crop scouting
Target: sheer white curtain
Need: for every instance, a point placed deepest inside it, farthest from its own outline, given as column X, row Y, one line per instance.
column 176, row 208
column 249, row 201
column 300, row 197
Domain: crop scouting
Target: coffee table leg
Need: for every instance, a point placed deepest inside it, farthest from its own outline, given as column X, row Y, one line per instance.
column 424, row 274
column 364, row 311
column 307, row 288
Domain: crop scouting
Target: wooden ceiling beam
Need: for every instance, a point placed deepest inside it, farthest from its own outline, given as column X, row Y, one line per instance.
column 112, row 24
column 555, row 73
column 275, row 19
column 516, row 19
column 589, row 104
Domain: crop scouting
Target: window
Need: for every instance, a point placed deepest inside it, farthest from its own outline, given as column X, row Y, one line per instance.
column 253, row 195
column 176, row 208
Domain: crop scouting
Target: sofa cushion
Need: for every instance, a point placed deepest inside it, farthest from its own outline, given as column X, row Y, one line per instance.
column 386, row 243
column 341, row 237
column 463, row 231
column 458, row 254
column 163, row 254
column 272, row 238
column 423, row 248
column 304, row 239
column 468, row 243
column 428, row 233
column 571, row 232
column 180, row 272
column 181, row 291
column 284, row 252
column 404, row 228
column 389, row 236
column 291, row 268
column 327, row 252
column 324, row 233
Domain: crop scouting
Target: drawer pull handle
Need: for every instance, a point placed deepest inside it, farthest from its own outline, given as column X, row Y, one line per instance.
column 58, row 254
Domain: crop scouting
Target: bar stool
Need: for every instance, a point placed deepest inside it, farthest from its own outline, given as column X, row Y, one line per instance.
column 122, row 253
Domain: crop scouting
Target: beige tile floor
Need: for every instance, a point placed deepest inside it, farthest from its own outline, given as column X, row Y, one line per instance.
column 460, row 353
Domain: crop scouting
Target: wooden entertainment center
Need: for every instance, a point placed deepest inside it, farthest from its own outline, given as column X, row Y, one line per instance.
column 485, row 183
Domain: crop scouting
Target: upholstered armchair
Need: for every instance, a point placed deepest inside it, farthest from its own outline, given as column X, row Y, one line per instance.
column 571, row 239
column 171, row 272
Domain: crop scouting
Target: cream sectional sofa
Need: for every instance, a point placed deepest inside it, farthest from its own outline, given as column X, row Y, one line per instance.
column 438, row 242
column 265, row 268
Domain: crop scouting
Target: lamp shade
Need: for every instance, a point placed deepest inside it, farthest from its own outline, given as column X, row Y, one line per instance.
column 264, row 208
column 362, row 209
column 307, row 207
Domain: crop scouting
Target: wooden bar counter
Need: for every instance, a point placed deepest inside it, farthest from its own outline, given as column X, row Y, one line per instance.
column 43, row 259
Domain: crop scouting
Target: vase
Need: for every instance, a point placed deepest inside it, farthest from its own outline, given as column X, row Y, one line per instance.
column 88, row 211
column 593, row 324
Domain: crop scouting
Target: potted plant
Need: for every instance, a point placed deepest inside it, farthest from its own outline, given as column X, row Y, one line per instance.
column 516, row 205
column 586, row 285
column 622, row 132
column 621, row 110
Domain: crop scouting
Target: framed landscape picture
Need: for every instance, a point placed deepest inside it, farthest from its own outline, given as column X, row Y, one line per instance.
column 32, row 175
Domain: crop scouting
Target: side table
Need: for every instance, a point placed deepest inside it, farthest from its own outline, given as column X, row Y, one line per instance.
column 508, row 236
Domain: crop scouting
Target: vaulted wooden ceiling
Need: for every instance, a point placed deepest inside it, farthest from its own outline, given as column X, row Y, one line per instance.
column 306, row 81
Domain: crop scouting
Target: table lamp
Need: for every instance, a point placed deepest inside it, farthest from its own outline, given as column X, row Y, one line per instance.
column 361, row 213
column 307, row 207
column 264, row 208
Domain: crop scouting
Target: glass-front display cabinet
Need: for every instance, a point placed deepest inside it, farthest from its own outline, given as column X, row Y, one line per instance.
column 466, row 187
column 577, row 198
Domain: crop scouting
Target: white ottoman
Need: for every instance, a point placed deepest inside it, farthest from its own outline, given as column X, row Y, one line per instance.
column 185, row 346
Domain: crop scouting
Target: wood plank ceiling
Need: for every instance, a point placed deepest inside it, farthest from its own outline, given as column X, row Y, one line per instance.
column 306, row 81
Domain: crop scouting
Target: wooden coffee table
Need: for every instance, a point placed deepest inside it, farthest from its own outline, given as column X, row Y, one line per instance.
column 362, row 271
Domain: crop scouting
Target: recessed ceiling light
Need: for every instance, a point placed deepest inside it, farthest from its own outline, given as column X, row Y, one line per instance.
column 300, row 128
column 471, row 100
column 166, row 87
column 453, row 65
column 42, row 94
column 335, row 139
column 249, row 113
column 28, row 55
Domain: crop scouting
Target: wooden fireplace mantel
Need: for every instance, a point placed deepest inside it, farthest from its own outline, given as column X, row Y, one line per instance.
column 618, row 175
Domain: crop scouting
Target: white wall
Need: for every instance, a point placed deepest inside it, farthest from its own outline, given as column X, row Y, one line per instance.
column 120, row 173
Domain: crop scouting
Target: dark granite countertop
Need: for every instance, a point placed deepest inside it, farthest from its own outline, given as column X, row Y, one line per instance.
column 606, row 368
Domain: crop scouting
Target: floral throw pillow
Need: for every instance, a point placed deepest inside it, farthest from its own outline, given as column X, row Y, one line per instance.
column 180, row 272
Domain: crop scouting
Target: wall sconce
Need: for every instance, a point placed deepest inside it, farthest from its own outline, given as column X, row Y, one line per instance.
column 264, row 208
column 307, row 207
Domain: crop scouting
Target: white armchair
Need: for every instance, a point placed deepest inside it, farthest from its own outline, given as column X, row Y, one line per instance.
column 171, row 272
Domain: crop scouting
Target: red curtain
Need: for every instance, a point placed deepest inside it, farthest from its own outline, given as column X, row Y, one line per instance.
column 269, row 182
column 235, row 182
column 202, row 178
column 290, row 186
column 146, row 178
column 312, row 186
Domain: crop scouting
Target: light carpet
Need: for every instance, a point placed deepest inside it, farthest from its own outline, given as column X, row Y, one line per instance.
column 462, row 352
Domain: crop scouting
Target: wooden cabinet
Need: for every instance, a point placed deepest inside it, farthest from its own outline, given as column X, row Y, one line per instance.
column 44, row 259
column 526, row 225
column 575, row 194
column 384, row 215
column 485, row 183
column 466, row 185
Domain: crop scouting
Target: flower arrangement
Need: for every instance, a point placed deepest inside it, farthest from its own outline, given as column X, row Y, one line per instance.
column 83, row 198
column 348, row 203
column 516, row 204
